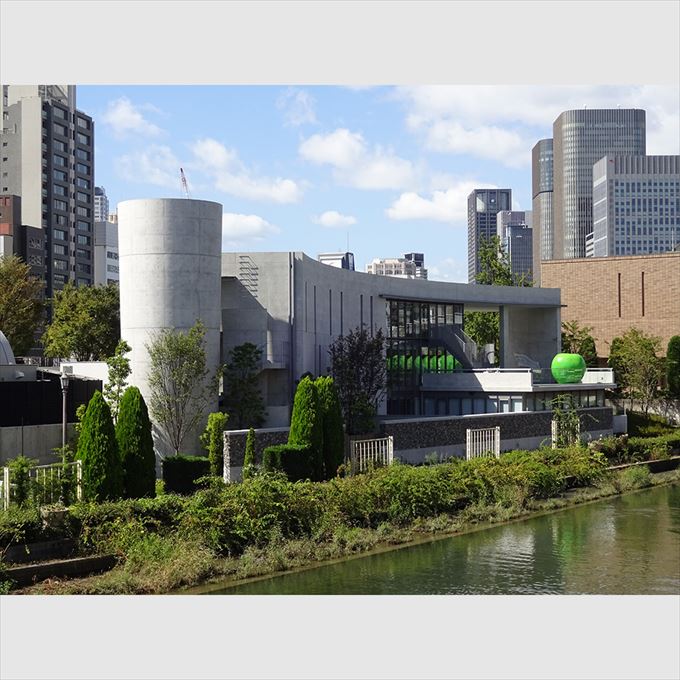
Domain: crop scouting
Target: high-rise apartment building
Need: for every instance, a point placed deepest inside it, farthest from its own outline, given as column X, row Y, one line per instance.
column 483, row 207
column 580, row 139
column 542, row 204
column 48, row 160
column 106, row 253
column 514, row 229
column 411, row 266
column 636, row 205
column 28, row 243
column 101, row 205
column 419, row 260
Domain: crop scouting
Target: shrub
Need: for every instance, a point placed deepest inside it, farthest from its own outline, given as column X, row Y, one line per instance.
column 614, row 449
column 249, row 457
column 306, row 426
column 135, row 444
column 333, row 433
column 296, row 461
column 636, row 477
column 181, row 472
column 20, row 480
column 213, row 441
column 673, row 367
column 648, row 425
column 98, row 449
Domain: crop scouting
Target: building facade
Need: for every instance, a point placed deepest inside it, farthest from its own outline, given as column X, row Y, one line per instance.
column 340, row 260
column 28, row 243
column 636, row 205
column 613, row 294
column 101, row 205
column 483, row 207
column 106, row 253
column 515, row 232
column 48, row 160
column 542, row 204
column 411, row 266
column 580, row 138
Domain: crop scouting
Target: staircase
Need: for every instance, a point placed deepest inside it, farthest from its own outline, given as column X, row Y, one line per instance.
column 462, row 346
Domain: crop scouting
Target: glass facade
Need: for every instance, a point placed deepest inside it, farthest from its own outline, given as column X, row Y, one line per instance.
column 542, row 203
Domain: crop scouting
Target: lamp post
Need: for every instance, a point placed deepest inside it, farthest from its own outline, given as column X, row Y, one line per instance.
column 63, row 379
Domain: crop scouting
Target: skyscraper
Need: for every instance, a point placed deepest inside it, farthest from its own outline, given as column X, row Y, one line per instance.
column 542, row 203
column 48, row 160
column 483, row 206
column 515, row 233
column 101, row 205
column 580, row 139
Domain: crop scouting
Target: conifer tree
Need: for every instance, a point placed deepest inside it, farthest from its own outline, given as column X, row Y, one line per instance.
column 306, row 428
column 333, row 434
column 249, row 458
column 135, row 444
column 212, row 440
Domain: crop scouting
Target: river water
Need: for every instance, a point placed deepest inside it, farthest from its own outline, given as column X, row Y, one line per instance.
column 624, row 545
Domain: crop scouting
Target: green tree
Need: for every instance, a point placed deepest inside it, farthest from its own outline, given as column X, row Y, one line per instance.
column 212, row 441
column 578, row 340
column 85, row 323
column 135, row 445
column 180, row 390
column 331, row 418
column 249, row 457
column 306, row 426
column 21, row 304
column 673, row 367
column 98, row 449
column 358, row 368
column 242, row 397
column 119, row 370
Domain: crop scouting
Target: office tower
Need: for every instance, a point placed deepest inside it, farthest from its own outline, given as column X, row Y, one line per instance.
column 483, row 206
column 106, row 253
column 542, row 204
column 48, row 160
column 401, row 267
column 636, row 205
column 28, row 243
column 580, row 139
column 514, row 230
column 101, row 205
column 339, row 260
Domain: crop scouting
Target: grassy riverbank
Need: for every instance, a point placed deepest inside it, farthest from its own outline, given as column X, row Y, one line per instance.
column 269, row 525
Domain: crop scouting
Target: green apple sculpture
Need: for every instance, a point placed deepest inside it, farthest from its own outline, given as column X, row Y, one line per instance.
column 568, row 368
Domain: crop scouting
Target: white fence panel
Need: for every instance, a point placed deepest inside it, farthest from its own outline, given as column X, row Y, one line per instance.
column 483, row 443
column 47, row 482
column 367, row 453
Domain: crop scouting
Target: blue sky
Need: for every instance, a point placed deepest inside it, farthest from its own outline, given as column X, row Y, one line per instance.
column 301, row 168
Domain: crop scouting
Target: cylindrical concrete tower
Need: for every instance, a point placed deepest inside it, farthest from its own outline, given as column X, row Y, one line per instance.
column 170, row 276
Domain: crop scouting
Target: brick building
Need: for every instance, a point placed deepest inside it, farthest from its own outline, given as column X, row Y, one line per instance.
column 612, row 294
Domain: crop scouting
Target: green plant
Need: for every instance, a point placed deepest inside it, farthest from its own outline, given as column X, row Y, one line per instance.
column 636, row 477
column 249, row 456
column 181, row 472
column 578, row 340
column 673, row 367
column 98, row 450
column 135, row 445
column 296, row 461
column 242, row 396
column 67, row 478
column 568, row 423
column 648, row 425
column 306, row 425
column 119, row 370
column 212, row 440
column 20, row 480
column 333, row 433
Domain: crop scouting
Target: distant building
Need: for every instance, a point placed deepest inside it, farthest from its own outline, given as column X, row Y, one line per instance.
column 483, row 206
column 101, row 205
column 542, row 204
column 411, row 266
column 340, row 260
column 514, row 229
column 580, row 138
column 636, row 205
column 18, row 239
column 106, row 253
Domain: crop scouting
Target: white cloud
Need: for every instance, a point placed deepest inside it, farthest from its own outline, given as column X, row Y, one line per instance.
column 298, row 107
column 125, row 118
column 448, row 269
column 332, row 218
column 156, row 165
column 355, row 164
column 238, row 229
column 448, row 205
column 231, row 176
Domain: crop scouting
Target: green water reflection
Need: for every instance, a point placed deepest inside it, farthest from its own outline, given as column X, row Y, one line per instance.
column 625, row 545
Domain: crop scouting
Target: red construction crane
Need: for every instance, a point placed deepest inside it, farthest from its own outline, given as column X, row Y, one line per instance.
column 185, row 186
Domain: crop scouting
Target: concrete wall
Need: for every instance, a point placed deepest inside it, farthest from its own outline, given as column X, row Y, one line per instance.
column 169, row 277
column 33, row 441
column 235, row 448
column 535, row 332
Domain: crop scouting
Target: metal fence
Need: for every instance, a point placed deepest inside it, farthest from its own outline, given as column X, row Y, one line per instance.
column 562, row 435
column 370, row 453
column 483, row 443
column 47, row 483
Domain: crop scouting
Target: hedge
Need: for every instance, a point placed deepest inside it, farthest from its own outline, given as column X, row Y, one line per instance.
column 294, row 460
column 181, row 472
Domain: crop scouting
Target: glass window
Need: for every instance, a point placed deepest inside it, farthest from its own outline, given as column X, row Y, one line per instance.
column 82, row 139
column 82, row 154
column 60, row 249
column 60, row 265
column 85, row 226
column 82, row 168
column 59, row 219
column 83, row 282
column 60, row 175
column 454, row 407
column 59, row 160
column 83, row 183
column 449, row 315
column 83, row 268
column 59, row 278
column 83, row 240
column 84, row 198
column 59, row 113
column 58, row 145
column 80, row 252
column 83, row 212
column 83, row 123
column 59, row 190
column 59, row 205
column 479, row 405
column 466, row 406
column 59, row 234
column 59, row 129
column 516, row 404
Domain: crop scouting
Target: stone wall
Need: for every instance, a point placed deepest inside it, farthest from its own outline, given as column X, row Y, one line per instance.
column 235, row 446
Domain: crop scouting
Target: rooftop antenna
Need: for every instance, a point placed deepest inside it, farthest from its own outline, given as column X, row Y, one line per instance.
column 185, row 186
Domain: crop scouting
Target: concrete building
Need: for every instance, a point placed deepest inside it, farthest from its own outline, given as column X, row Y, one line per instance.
column 514, row 229
column 170, row 277
column 411, row 266
column 48, row 160
column 613, row 294
column 340, row 260
column 106, row 268
column 101, row 205
column 542, row 204
column 483, row 207
column 28, row 243
column 636, row 205
column 580, row 139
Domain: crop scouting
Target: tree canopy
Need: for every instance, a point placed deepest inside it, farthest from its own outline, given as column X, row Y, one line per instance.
column 85, row 323
column 242, row 397
column 21, row 304
column 119, row 371
column 578, row 340
column 673, row 367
